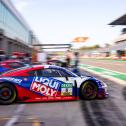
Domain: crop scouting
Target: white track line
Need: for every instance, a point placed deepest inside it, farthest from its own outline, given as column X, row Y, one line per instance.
column 121, row 82
column 16, row 116
column 104, row 69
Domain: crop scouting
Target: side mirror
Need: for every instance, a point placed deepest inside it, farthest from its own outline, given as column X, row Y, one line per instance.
column 63, row 64
column 66, row 78
column 81, row 76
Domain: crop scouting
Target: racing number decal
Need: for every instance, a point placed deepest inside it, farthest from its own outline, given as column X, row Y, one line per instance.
column 66, row 89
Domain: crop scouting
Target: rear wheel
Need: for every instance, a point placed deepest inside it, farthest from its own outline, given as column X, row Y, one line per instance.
column 7, row 93
column 88, row 90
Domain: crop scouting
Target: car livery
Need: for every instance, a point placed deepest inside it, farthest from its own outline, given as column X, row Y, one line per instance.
column 48, row 83
column 3, row 69
column 10, row 64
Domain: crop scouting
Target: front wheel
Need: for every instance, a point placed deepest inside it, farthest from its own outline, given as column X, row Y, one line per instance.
column 88, row 90
column 7, row 93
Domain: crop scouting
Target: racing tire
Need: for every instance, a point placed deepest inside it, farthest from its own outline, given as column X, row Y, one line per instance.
column 7, row 93
column 88, row 90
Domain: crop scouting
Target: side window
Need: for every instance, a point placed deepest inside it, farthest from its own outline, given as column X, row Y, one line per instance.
column 39, row 73
column 50, row 73
column 32, row 73
column 35, row 73
column 65, row 74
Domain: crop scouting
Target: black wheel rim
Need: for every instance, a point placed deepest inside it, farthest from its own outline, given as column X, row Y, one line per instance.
column 5, row 93
column 89, row 90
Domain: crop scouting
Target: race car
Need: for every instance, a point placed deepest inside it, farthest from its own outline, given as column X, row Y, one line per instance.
column 10, row 64
column 48, row 83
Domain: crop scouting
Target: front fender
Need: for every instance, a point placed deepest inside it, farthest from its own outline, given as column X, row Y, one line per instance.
column 96, row 81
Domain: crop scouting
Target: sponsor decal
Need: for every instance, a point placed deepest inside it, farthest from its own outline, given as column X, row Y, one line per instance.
column 25, row 79
column 66, row 89
column 57, row 98
column 45, row 86
column 38, row 98
column 52, row 83
column 15, row 80
column 43, row 89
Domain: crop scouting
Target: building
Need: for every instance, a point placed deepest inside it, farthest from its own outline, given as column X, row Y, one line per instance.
column 119, row 46
column 118, row 49
column 115, row 51
column 15, row 33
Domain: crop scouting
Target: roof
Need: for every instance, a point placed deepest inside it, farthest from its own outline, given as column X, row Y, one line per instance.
column 120, row 21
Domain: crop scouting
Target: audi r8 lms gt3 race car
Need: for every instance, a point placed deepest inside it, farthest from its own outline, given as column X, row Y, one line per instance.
column 48, row 83
column 10, row 64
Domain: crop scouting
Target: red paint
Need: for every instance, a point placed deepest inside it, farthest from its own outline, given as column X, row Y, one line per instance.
column 26, row 95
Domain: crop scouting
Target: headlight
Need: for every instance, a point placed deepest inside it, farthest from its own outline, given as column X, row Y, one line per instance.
column 103, row 84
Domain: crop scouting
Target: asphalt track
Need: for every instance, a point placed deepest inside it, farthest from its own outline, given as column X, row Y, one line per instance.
column 100, row 112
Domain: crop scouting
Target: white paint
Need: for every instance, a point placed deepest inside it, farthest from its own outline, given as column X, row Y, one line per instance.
column 16, row 116
column 109, row 73
column 103, row 69
column 12, row 121
column 120, row 82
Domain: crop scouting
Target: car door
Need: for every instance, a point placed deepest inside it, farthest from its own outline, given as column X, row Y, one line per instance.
column 45, row 84
column 65, row 80
column 68, row 87
column 52, row 83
